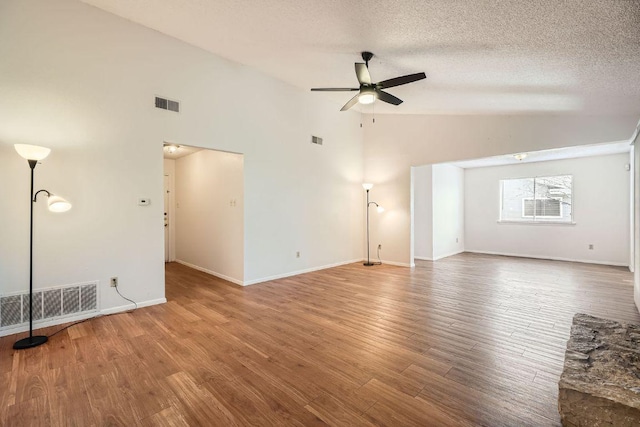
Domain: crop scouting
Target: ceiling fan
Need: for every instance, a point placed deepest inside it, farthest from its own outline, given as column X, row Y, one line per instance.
column 368, row 92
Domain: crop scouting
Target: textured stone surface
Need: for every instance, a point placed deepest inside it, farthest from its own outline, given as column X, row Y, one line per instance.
column 600, row 383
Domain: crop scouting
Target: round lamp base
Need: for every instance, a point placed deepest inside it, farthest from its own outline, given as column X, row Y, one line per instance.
column 29, row 342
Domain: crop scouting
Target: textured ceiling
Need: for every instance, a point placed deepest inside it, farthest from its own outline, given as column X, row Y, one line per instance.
column 486, row 57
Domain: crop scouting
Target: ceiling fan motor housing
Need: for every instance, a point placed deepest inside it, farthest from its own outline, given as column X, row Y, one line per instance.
column 367, row 57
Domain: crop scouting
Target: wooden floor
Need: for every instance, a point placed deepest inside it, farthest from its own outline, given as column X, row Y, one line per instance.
column 467, row 340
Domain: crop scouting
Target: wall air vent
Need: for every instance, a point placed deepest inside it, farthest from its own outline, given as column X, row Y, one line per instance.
column 316, row 140
column 167, row 104
column 173, row 106
column 48, row 304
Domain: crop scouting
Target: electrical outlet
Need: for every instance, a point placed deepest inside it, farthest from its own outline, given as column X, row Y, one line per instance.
column 114, row 282
column 297, row 254
column 379, row 246
column 590, row 247
column 456, row 240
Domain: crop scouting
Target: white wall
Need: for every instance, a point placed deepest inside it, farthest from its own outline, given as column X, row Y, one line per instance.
column 448, row 210
column 423, row 211
column 636, row 222
column 82, row 82
column 210, row 213
column 600, row 202
column 438, row 211
column 394, row 143
column 632, row 210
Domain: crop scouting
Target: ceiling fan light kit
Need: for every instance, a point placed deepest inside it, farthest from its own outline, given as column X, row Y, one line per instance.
column 368, row 91
column 367, row 96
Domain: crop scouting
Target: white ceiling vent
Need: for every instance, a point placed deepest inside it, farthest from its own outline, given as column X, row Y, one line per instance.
column 167, row 104
column 316, row 140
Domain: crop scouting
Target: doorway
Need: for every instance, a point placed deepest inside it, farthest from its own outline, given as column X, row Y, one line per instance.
column 204, row 210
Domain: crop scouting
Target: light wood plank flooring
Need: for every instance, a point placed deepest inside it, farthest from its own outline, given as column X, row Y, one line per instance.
column 467, row 340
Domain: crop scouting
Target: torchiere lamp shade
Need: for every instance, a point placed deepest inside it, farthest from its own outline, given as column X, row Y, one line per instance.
column 32, row 152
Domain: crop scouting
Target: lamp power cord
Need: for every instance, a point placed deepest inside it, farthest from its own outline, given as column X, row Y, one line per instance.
column 99, row 315
column 130, row 300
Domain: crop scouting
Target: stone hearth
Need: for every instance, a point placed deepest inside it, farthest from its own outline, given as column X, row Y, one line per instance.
column 600, row 383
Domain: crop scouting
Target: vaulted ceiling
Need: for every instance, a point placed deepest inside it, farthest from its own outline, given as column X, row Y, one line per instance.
column 480, row 57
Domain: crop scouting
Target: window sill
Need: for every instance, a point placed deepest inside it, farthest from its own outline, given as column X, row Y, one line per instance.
column 537, row 222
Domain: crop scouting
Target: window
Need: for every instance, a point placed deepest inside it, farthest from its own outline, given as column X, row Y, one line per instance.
column 543, row 208
column 540, row 199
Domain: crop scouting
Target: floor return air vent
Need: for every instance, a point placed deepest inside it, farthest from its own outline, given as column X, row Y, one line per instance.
column 48, row 304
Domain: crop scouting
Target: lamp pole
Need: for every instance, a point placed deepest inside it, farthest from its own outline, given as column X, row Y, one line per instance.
column 368, row 263
column 30, row 341
column 367, row 187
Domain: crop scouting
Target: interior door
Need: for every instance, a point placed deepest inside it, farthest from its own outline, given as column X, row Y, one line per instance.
column 166, row 218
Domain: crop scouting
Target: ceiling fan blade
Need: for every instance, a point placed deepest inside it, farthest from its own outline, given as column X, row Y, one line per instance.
column 353, row 101
column 334, row 89
column 362, row 72
column 387, row 97
column 401, row 80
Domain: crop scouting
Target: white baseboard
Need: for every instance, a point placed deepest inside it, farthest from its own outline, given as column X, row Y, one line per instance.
column 283, row 275
column 584, row 261
column 83, row 316
column 395, row 263
column 53, row 322
column 448, row 255
column 439, row 257
column 211, row 272
column 398, row 264
column 295, row 273
column 126, row 307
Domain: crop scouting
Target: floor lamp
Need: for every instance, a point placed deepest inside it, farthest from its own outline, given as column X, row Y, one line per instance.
column 34, row 154
column 368, row 187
